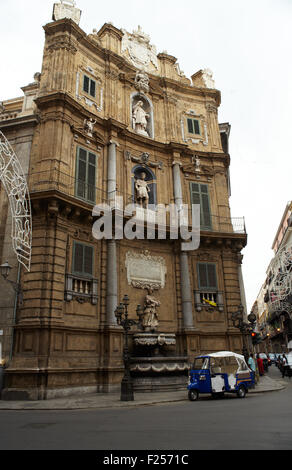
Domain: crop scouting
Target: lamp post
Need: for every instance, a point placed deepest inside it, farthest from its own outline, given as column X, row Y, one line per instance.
column 5, row 271
column 244, row 327
column 121, row 313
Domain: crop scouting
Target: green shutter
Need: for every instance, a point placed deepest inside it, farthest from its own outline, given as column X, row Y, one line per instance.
column 207, row 278
column 202, row 274
column 92, row 88
column 212, row 278
column 197, row 126
column 85, row 175
column 83, row 259
column 190, row 126
column 81, row 173
column 78, row 258
column 86, row 84
column 200, row 195
column 88, row 260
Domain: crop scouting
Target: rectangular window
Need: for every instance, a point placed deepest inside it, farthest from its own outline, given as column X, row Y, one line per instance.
column 89, row 86
column 200, row 195
column 82, row 259
column 207, row 277
column 85, row 175
column 194, row 126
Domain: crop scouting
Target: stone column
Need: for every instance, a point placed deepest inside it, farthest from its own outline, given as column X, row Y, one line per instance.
column 111, row 283
column 112, row 171
column 177, row 189
column 186, row 292
column 111, row 271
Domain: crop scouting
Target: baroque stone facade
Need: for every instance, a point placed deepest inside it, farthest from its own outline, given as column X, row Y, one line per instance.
column 89, row 146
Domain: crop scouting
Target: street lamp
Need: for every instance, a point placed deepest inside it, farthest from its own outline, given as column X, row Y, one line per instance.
column 121, row 313
column 244, row 328
column 5, row 271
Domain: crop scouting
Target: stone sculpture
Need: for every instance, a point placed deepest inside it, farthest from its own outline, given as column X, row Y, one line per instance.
column 150, row 320
column 142, row 191
column 140, row 119
column 89, row 126
column 142, row 81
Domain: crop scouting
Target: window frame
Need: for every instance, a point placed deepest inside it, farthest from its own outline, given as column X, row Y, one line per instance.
column 208, row 288
column 90, row 82
column 203, row 214
column 83, row 273
column 86, row 183
column 192, row 120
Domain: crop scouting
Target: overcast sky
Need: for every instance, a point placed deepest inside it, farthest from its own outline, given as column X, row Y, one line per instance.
column 248, row 46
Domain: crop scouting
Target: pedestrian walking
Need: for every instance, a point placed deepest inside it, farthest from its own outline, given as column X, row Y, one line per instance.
column 284, row 364
column 260, row 363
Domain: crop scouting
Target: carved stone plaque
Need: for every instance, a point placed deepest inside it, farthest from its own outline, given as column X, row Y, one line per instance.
column 145, row 271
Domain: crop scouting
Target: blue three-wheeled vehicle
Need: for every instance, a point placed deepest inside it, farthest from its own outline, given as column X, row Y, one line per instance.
column 220, row 373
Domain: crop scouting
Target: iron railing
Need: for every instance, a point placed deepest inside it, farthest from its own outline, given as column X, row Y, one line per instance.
column 55, row 180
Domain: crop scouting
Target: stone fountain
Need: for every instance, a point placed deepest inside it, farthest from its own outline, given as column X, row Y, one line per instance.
column 154, row 363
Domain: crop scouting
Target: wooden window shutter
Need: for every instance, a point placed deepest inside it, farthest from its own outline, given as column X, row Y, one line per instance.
column 83, row 259
column 203, row 278
column 196, row 126
column 212, row 278
column 190, row 126
column 200, row 195
column 88, row 260
column 78, row 258
column 86, row 84
column 92, row 88
column 86, row 175
column 81, row 173
column 207, row 276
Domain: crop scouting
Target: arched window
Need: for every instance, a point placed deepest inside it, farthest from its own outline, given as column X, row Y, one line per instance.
column 142, row 115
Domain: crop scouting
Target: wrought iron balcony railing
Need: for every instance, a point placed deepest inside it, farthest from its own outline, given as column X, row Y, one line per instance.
column 55, row 180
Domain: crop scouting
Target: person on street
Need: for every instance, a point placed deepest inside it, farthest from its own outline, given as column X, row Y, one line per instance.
column 252, row 365
column 260, row 363
column 284, row 364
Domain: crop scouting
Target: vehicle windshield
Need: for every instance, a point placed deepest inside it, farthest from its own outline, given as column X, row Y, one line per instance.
column 201, row 363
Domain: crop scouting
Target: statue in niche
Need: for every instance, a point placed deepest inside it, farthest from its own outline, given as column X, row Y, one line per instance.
column 140, row 119
column 150, row 320
column 89, row 126
column 142, row 191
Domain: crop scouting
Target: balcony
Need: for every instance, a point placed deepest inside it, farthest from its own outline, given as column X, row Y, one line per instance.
column 80, row 288
column 202, row 299
column 57, row 181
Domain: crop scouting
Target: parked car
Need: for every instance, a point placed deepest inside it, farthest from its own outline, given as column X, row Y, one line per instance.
column 273, row 358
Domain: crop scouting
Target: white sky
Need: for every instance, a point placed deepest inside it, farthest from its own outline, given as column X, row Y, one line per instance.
column 248, row 46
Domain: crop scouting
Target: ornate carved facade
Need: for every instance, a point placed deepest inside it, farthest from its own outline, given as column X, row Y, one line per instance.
column 109, row 110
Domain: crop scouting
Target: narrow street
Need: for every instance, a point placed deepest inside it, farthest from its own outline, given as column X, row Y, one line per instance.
column 260, row 422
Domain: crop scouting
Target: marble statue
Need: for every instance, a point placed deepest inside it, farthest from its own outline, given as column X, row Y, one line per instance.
column 140, row 119
column 89, row 126
column 142, row 191
column 150, row 320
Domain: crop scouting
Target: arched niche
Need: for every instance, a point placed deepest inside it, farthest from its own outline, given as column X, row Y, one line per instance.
column 150, row 179
column 142, row 118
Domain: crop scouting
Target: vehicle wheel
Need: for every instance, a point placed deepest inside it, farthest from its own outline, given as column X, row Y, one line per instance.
column 241, row 392
column 193, row 395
